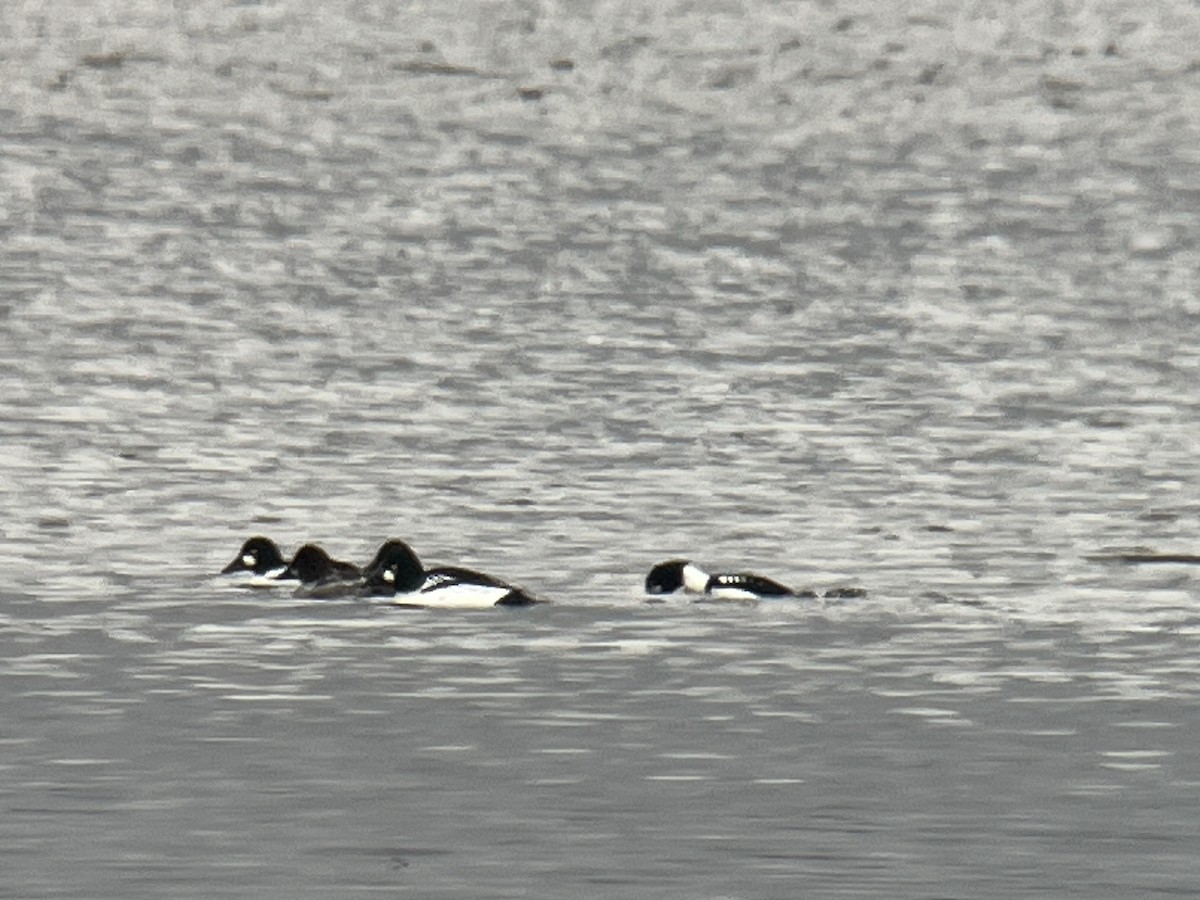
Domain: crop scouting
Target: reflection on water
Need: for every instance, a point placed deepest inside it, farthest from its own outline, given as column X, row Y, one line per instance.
column 890, row 297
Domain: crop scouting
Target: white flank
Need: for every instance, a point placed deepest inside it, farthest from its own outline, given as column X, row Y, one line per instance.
column 732, row 593
column 454, row 596
column 264, row 580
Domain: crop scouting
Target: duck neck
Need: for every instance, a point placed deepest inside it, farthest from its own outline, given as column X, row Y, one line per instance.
column 695, row 579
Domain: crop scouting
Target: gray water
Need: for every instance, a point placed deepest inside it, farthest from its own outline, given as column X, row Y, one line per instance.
column 846, row 294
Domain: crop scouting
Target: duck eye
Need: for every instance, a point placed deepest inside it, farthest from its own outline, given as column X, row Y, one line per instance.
column 249, row 560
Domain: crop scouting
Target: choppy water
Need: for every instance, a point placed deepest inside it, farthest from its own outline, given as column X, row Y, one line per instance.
column 846, row 294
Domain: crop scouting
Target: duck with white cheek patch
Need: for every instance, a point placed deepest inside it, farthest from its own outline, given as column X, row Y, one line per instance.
column 259, row 564
column 677, row 575
column 396, row 573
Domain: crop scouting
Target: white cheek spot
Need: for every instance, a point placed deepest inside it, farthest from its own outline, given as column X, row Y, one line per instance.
column 389, row 576
column 249, row 560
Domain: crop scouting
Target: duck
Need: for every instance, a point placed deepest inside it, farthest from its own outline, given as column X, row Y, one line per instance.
column 259, row 564
column 320, row 575
column 396, row 573
column 683, row 574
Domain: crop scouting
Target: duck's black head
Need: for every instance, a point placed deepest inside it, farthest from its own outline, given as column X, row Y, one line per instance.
column 666, row 577
column 310, row 564
column 258, row 555
column 390, row 552
column 394, row 570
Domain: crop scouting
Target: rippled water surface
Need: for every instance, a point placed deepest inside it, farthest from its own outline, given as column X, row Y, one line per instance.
column 847, row 294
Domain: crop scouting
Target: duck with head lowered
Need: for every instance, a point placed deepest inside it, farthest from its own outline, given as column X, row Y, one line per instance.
column 684, row 575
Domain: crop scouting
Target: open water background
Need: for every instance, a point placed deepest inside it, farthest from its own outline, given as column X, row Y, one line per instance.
column 894, row 295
